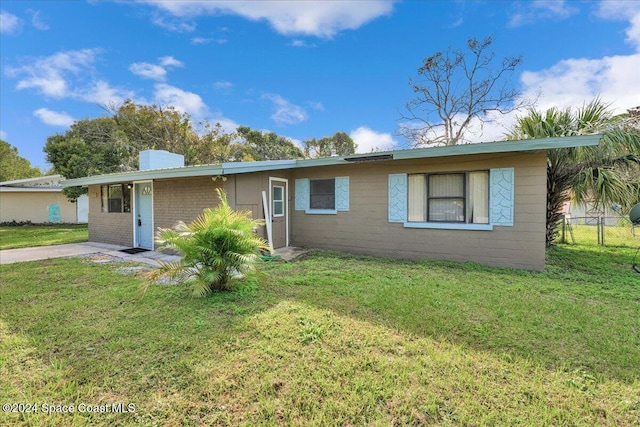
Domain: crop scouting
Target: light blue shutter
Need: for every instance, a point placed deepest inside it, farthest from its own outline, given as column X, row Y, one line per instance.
column 501, row 187
column 302, row 194
column 398, row 197
column 342, row 193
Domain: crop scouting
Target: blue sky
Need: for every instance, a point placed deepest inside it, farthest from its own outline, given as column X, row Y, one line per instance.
column 301, row 69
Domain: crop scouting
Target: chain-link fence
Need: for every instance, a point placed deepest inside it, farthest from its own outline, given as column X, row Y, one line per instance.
column 600, row 230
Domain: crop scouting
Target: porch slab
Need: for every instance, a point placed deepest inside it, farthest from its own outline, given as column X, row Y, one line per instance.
column 290, row 253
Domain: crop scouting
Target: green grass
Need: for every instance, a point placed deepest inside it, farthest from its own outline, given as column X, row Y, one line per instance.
column 620, row 236
column 41, row 235
column 330, row 340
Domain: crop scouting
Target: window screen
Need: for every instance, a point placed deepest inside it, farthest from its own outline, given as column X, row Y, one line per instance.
column 322, row 194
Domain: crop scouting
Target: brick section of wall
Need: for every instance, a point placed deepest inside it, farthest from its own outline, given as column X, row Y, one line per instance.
column 182, row 199
column 104, row 227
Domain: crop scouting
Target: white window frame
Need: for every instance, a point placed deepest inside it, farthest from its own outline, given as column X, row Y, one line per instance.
column 273, row 202
column 450, row 225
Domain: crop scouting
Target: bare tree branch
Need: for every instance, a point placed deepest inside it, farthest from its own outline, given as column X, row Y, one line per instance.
column 453, row 88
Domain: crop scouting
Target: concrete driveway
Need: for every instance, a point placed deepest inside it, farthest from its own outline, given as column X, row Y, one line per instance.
column 8, row 256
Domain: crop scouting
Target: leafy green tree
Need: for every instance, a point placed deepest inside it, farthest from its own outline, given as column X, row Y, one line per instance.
column 112, row 143
column 603, row 174
column 89, row 147
column 13, row 166
column 219, row 245
column 339, row 144
column 455, row 87
column 215, row 146
column 266, row 146
column 158, row 128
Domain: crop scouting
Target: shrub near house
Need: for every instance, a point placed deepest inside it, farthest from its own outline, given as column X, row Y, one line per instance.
column 216, row 246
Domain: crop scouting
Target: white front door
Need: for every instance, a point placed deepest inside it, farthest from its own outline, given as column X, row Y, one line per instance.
column 143, row 215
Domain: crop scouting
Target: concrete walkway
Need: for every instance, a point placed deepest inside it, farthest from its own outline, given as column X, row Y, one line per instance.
column 9, row 256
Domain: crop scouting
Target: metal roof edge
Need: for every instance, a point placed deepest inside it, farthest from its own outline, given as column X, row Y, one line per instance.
column 267, row 165
column 34, row 179
column 464, row 149
column 501, row 147
column 180, row 172
column 30, row 189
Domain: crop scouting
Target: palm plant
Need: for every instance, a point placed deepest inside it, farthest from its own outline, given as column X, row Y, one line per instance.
column 603, row 174
column 217, row 246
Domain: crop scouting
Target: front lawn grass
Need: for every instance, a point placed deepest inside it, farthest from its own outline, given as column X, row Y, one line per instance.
column 333, row 339
column 25, row 236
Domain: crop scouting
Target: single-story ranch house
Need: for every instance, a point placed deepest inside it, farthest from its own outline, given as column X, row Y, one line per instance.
column 475, row 202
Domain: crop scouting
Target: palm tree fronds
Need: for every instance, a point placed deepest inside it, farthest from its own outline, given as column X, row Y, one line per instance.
column 213, row 247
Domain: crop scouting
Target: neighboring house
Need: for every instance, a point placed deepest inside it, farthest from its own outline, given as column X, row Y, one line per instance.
column 476, row 202
column 40, row 200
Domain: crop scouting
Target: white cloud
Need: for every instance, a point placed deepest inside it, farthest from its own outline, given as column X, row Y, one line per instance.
column 617, row 9
column 54, row 118
column 49, row 75
column 570, row 83
column 67, row 75
column 38, row 23
column 623, row 11
column 316, row 18
column 285, row 112
column 228, row 125
column 224, row 86
column 201, row 40
column 493, row 128
column 170, row 61
column 316, row 105
column 173, row 24
column 633, row 32
column 3, row 135
column 302, row 43
column 573, row 82
column 531, row 12
column 457, row 23
column 297, row 142
column 367, row 140
column 154, row 71
column 102, row 93
column 148, row 71
column 183, row 101
column 9, row 23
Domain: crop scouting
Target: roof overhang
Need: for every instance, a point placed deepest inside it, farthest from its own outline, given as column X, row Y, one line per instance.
column 30, row 190
column 526, row 145
column 32, row 182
